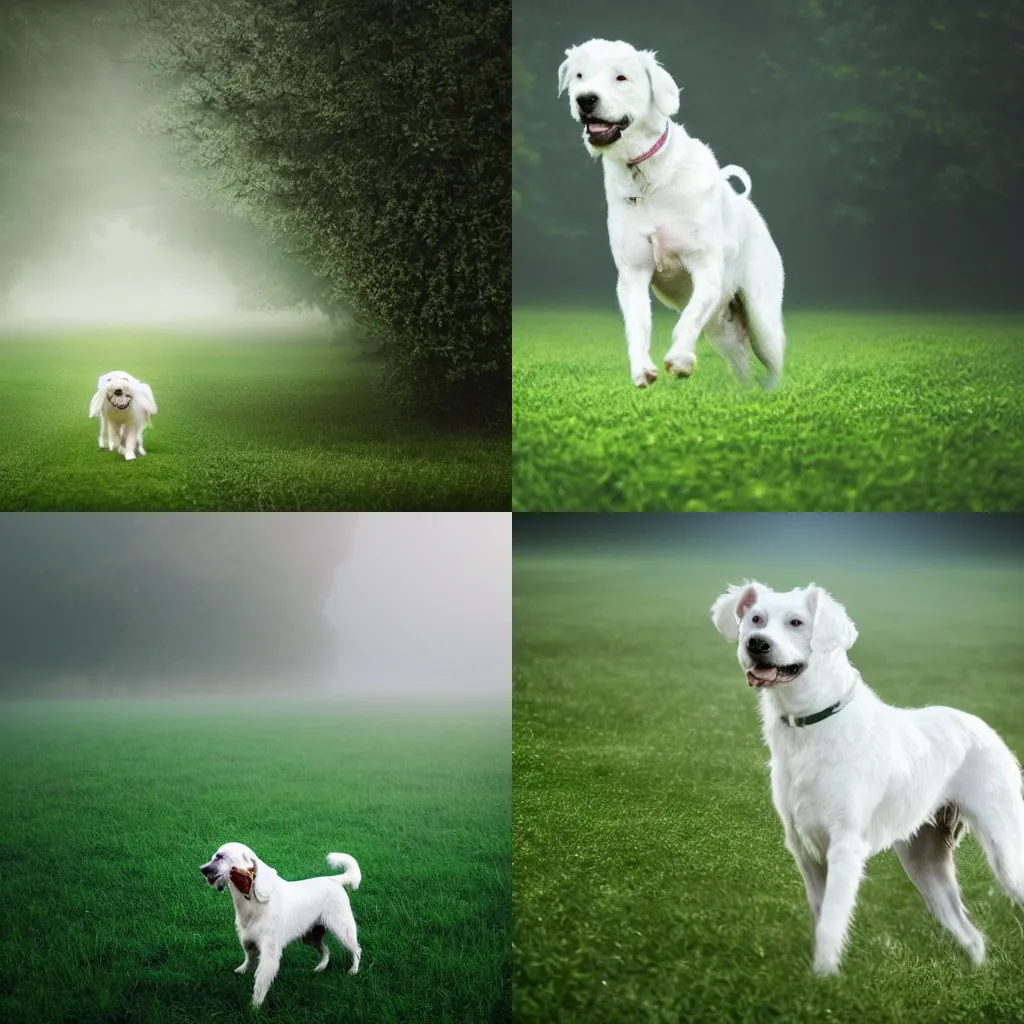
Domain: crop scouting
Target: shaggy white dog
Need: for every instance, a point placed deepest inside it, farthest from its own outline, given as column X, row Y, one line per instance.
column 852, row 775
column 676, row 226
column 270, row 912
column 124, row 406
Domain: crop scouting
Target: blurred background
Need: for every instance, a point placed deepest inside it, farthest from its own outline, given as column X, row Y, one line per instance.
column 369, row 606
column 884, row 141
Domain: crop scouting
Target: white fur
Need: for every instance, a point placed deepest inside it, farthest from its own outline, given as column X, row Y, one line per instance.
column 121, row 427
column 675, row 224
column 278, row 912
column 870, row 776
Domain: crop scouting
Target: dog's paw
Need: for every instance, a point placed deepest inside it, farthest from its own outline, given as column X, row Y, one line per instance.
column 128, row 456
column 242, row 968
column 824, row 966
column 644, row 376
column 680, row 366
column 353, row 970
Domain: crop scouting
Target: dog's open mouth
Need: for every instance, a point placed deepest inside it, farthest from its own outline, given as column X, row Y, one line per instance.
column 604, row 133
column 120, row 402
column 772, row 675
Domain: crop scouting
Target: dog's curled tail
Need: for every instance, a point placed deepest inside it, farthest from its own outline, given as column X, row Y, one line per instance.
column 732, row 171
column 352, row 875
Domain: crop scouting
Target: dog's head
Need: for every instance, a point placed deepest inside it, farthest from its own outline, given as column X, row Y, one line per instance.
column 778, row 636
column 614, row 88
column 236, row 864
column 122, row 391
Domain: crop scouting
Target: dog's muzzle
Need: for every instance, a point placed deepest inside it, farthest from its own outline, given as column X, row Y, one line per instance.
column 119, row 400
column 210, row 873
column 600, row 132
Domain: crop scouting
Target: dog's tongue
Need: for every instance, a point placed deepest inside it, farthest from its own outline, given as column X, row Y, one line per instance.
column 597, row 127
column 762, row 675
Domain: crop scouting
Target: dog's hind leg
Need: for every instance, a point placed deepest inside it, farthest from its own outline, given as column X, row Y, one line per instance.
column 767, row 335
column 988, row 787
column 343, row 925
column 927, row 859
column 250, row 953
column 315, row 938
column 727, row 332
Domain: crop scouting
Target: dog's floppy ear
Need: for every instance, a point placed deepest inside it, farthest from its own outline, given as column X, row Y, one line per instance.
column 832, row 628
column 730, row 607
column 563, row 71
column 95, row 405
column 664, row 90
column 242, row 879
column 265, row 881
column 144, row 396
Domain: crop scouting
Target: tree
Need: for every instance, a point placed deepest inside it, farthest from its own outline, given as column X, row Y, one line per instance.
column 371, row 145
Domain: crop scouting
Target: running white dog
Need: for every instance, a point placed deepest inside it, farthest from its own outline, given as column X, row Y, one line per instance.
column 675, row 224
column 270, row 912
column 852, row 776
column 125, row 406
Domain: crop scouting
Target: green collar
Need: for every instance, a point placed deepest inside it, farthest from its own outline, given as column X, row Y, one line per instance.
column 819, row 716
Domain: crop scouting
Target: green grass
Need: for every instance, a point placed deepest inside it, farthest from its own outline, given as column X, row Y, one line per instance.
column 110, row 808
column 253, row 425
column 876, row 412
column 650, row 878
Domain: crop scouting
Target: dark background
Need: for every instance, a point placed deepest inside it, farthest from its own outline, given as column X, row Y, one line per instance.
column 885, row 142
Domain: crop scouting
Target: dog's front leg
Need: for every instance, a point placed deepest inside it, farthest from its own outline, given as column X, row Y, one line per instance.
column 706, row 297
column 130, row 441
column 633, row 290
column 813, row 873
column 847, row 855
column 266, row 971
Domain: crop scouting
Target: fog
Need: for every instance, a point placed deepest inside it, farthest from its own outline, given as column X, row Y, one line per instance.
column 826, row 538
column 402, row 609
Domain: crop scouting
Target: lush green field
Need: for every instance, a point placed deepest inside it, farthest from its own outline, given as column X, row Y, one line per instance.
column 250, row 425
column 875, row 413
column 651, row 882
column 109, row 809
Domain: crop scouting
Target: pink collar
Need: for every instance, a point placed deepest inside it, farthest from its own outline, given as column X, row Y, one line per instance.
column 654, row 149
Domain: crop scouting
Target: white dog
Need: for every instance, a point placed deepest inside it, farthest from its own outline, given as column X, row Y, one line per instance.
column 852, row 776
column 125, row 406
column 675, row 224
column 270, row 912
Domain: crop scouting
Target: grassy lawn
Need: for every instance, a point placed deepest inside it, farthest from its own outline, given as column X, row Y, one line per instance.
column 110, row 808
column 243, row 425
column 651, row 882
column 877, row 412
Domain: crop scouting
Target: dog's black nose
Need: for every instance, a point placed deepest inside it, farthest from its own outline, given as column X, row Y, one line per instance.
column 587, row 102
column 758, row 645
column 118, row 392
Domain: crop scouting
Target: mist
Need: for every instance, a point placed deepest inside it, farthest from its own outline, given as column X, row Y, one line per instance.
column 884, row 143
column 378, row 609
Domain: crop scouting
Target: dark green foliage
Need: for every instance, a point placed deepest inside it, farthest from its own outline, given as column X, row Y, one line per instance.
column 371, row 141
column 651, row 879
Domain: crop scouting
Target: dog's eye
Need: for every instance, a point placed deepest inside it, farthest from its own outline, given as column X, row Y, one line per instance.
column 579, row 74
column 757, row 620
column 620, row 78
column 795, row 622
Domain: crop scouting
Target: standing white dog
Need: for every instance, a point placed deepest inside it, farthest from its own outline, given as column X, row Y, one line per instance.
column 270, row 912
column 125, row 406
column 676, row 226
column 852, row 776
